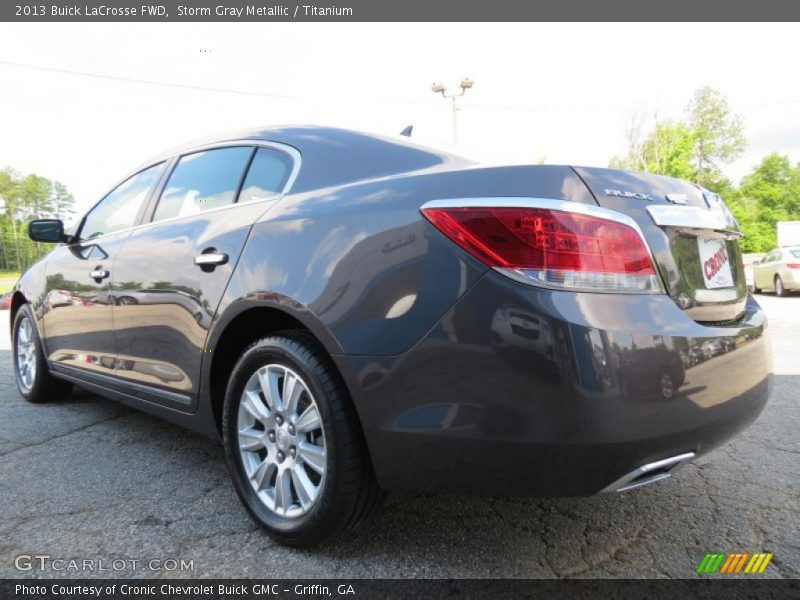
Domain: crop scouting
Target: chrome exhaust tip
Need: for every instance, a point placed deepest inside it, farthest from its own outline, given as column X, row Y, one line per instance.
column 650, row 473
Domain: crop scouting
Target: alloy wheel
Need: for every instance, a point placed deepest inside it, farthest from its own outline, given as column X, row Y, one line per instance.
column 667, row 386
column 26, row 354
column 281, row 440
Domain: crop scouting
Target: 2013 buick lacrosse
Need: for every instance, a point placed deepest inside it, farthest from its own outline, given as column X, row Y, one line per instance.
column 352, row 313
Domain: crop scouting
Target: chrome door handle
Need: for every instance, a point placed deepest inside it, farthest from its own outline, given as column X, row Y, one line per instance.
column 211, row 259
column 99, row 274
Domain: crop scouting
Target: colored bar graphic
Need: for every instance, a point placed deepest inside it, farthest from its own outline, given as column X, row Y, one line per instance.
column 741, row 562
column 720, row 562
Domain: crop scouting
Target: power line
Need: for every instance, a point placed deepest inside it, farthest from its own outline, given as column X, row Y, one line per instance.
column 146, row 81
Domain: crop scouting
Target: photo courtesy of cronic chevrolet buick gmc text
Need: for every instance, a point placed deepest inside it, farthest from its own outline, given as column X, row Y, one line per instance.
column 352, row 314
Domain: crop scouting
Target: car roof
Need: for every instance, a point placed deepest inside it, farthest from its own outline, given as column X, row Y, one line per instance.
column 333, row 156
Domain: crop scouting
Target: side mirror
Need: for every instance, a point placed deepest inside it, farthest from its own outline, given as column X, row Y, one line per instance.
column 50, row 231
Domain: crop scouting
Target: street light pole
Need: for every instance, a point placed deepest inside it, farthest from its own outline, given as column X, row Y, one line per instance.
column 439, row 88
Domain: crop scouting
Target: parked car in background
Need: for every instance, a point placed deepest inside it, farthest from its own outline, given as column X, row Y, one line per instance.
column 655, row 372
column 778, row 271
column 351, row 313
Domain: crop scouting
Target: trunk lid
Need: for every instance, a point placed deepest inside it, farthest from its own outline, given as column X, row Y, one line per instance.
column 691, row 234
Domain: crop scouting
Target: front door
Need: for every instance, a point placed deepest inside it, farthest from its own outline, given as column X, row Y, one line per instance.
column 77, row 312
column 170, row 275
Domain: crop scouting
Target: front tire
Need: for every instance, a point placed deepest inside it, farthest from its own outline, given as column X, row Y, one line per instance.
column 293, row 442
column 34, row 381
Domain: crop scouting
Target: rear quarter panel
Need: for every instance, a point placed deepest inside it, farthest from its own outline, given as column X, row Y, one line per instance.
column 360, row 265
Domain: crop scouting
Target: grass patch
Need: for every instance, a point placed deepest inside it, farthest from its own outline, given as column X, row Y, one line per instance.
column 7, row 280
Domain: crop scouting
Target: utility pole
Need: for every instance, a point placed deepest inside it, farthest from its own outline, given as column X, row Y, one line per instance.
column 439, row 88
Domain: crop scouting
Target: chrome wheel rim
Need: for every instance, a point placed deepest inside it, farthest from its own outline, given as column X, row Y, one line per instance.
column 26, row 354
column 281, row 440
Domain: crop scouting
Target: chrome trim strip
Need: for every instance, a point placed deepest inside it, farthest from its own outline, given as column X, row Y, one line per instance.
column 638, row 477
column 121, row 385
column 290, row 150
column 559, row 205
column 692, row 218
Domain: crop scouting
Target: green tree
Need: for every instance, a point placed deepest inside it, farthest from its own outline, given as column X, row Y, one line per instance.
column 23, row 198
column 718, row 134
column 768, row 194
column 691, row 149
column 666, row 150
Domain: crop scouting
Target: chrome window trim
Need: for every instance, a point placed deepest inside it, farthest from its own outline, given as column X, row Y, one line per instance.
column 131, row 175
column 558, row 205
column 293, row 152
column 694, row 219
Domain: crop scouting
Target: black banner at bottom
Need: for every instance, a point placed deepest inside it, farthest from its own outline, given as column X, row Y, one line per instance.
column 383, row 589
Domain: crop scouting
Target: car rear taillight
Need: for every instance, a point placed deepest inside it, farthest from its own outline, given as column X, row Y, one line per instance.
column 553, row 248
column 793, row 265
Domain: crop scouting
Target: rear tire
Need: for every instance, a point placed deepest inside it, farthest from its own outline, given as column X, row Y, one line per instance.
column 305, row 479
column 667, row 386
column 780, row 290
column 31, row 372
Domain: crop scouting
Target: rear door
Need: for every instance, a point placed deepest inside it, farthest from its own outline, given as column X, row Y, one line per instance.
column 170, row 274
column 691, row 233
column 77, row 307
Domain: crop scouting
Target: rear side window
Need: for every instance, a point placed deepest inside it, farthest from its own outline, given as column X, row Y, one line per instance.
column 267, row 175
column 120, row 208
column 795, row 253
column 203, row 180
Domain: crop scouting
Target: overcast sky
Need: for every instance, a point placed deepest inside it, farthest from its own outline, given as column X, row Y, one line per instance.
column 558, row 92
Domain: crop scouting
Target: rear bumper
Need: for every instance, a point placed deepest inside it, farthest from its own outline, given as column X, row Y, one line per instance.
column 524, row 391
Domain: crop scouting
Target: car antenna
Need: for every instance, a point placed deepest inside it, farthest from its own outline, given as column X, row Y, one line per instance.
column 407, row 131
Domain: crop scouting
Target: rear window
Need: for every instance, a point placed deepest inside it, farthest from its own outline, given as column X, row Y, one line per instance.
column 267, row 175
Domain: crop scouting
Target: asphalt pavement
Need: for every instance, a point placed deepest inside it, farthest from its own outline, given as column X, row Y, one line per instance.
column 87, row 479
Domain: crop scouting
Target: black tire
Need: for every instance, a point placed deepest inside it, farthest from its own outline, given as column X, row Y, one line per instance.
column 348, row 495
column 44, row 387
column 780, row 290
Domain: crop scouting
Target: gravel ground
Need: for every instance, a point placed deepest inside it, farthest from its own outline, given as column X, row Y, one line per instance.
column 90, row 479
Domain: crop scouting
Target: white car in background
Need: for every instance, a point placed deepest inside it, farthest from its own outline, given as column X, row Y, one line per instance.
column 778, row 271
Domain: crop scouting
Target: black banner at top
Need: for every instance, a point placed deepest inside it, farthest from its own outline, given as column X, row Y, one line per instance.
column 402, row 10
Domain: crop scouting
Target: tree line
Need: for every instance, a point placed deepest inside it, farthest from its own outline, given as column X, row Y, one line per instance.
column 23, row 198
column 695, row 147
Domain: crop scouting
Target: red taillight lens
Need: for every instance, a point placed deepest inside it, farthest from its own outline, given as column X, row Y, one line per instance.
column 551, row 247
column 793, row 265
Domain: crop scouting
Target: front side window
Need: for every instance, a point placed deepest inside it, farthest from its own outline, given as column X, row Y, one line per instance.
column 119, row 209
column 202, row 181
column 267, row 175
